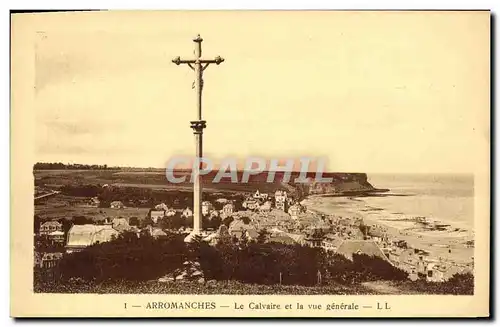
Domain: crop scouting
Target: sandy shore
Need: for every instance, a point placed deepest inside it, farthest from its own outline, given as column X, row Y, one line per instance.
column 401, row 227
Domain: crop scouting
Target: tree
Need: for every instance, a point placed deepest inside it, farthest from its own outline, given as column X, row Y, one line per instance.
column 263, row 236
column 246, row 220
column 127, row 258
column 44, row 244
column 243, row 241
column 188, row 221
column 37, row 223
column 133, row 221
column 228, row 220
column 66, row 225
column 147, row 222
column 318, row 233
column 82, row 220
column 364, row 229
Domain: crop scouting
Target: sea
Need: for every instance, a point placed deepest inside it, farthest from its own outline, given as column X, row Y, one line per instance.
column 444, row 197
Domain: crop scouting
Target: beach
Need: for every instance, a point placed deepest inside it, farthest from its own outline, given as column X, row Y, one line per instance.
column 405, row 214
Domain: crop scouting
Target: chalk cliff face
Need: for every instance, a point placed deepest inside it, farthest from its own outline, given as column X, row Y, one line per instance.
column 347, row 182
column 342, row 184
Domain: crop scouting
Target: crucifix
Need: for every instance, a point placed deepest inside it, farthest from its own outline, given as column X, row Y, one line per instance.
column 198, row 65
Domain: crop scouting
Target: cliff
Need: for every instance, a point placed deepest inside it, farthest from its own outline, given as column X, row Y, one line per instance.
column 342, row 184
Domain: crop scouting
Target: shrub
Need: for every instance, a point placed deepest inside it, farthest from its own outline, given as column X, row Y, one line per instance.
column 261, row 263
column 128, row 257
column 458, row 284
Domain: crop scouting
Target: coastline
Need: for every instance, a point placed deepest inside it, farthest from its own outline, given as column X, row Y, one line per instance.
column 446, row 245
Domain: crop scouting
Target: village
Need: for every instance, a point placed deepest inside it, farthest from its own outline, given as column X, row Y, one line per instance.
column 258, row 217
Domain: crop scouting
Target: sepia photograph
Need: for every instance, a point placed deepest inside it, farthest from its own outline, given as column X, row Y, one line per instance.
column 180, row 153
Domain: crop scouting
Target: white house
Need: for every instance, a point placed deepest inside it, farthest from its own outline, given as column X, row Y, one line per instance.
column 82, row 236
column 56, row 236
column 280, row 196
column 206, row 207
column 50, row 226
column 187, row 213
column 170, row 212
column 294, row 211
column 116, row 205
column 280, row 199
column 228, row 209
column 161, row 206
column 434, row 272
column 156, row 215
column 250, row 204
column 266, row 206
column 260, row 196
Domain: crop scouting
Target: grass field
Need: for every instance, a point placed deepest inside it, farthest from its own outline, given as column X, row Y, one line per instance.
column 219, row 287
column 145, row 179
column 56, row 208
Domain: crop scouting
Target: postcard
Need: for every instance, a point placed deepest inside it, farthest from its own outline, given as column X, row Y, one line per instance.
column 250, row 164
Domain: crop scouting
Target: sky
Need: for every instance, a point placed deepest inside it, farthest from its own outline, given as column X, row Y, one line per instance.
column 369, row 91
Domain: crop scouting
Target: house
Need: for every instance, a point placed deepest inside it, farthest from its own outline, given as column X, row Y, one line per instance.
column 94, row 202
column 298, row 238
column 221, row 234
column 161, row 206
column 350, row 247
column 434, row 272
column 156, row 232
column 251, row 204
column 104, row 235
column 281, row 200
column 283, row 238
column 280, row 196
column 228, row 209
column 252, row 234
column 214, row 214
column 37, row 259
column 170, row 212
column 136, row 230
column 82, row 236
column 266, row 207
column 212, row 239
column 156, row 215
column 49, row 227
column 260, row 196
column 313, row 241
column 407, row 260
column 238, row 228
column 377, row 235
column 187, row 213
column 57, row 237
column 120, row 224
column 116, row 205
column 294, row 211
column 206, row 207
column 331, row 242
column 50, row 260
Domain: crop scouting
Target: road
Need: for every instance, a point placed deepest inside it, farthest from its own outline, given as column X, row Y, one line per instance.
column 46, row 195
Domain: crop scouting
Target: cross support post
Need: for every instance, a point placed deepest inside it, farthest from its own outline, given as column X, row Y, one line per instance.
column 198, row 65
